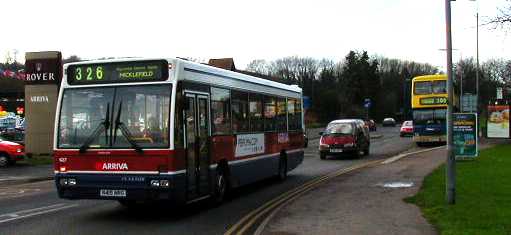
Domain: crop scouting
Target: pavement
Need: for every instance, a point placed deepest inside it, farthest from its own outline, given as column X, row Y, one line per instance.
column 359, row 203
column 368, row 201
column 21, row 173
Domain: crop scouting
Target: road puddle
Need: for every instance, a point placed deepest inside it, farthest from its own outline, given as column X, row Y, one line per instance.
column 397, row 185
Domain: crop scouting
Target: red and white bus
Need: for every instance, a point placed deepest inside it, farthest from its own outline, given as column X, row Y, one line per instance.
column 137, row 130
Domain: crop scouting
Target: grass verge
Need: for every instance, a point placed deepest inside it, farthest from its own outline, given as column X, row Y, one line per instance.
column 483, row 203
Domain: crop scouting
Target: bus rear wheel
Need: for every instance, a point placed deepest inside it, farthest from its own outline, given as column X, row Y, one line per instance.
column 366, row 151
column 221, row 187
column 282, row 168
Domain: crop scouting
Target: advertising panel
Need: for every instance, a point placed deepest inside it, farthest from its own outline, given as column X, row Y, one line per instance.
column 497, row 124
column 249, row 144
column 465, row 134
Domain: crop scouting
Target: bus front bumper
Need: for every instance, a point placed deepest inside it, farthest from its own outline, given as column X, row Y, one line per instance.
column 120, row 187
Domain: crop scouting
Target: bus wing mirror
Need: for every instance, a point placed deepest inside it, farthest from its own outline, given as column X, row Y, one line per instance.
column 320, row 133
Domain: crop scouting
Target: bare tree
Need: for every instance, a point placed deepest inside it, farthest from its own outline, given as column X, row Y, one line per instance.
column 258, row 66
column 503, row 18
column 72, row 58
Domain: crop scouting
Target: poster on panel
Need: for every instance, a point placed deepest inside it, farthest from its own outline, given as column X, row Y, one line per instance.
column 465, row 134
column 497, row 124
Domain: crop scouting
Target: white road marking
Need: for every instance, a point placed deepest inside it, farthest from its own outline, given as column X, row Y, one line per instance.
column 399, row 156
column 33, row 212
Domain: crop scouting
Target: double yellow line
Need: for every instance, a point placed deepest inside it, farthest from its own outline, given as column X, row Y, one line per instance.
column 251, row 218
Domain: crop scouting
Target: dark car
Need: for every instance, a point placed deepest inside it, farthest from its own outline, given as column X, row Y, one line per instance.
column 389, row 122
column 344, row 136
column 370, row 124
column 13, row 135
column 406, row 129
column 10, row 152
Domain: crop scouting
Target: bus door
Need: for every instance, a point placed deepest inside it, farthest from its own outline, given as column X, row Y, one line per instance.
column 197, row 131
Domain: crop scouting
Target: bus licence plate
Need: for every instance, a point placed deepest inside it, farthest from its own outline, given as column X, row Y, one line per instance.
column 112, row 193
column 336, row 150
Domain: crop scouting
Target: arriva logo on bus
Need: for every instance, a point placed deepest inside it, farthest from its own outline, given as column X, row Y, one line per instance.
column 115, row 166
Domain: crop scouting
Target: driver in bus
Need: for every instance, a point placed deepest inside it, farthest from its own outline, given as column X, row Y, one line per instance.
column 153, row 131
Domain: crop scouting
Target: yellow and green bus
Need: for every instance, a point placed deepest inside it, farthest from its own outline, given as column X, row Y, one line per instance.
column 429, row 107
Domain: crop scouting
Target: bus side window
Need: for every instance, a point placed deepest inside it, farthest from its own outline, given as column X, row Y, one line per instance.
column 269, row 113
column 256, row 113
column 281, row 114
column 298, row 115
column 290, row 113
column 220, row 111
column 239, row 107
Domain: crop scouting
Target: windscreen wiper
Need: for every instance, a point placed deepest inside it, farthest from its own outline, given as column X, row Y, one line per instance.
column 103, row 126
column 125, row 132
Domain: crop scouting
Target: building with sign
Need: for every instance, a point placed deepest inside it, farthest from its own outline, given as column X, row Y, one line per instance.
column 12, row 96
column 43, row 76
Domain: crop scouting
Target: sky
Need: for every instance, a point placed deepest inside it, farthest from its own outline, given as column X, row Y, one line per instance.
column 250, row 29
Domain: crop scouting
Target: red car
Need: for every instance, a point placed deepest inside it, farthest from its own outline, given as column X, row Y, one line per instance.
column 10, row 152
column 406, row 129
column 344, row 136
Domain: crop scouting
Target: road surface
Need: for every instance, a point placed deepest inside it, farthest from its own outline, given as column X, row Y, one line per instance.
column 36, row 209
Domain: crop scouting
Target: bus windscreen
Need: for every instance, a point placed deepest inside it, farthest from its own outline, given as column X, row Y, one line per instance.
column 430, row 87
column 142, row 110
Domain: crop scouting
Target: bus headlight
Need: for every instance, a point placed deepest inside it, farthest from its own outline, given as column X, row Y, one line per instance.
column 63, row 182
column 67, row 182
column 155, row 183
column 71, row 182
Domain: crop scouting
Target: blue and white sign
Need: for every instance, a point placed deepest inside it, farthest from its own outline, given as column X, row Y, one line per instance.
column 367, row 103
column 307, row 102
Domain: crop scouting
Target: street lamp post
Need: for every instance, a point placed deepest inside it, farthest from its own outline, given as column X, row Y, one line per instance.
column 477, row 59
column 451, row 162
column 477, row 68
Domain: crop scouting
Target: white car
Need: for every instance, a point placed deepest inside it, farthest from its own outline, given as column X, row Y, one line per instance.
column 389, row 122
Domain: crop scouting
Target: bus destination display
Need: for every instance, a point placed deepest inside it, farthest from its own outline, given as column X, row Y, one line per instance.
column 433, row 100
column 118, row 72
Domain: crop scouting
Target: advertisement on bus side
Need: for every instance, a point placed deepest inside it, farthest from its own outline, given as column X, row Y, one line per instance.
column 497, row 124
column 249, row 144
